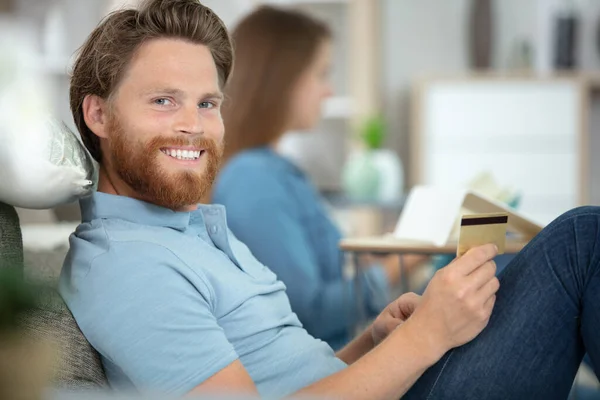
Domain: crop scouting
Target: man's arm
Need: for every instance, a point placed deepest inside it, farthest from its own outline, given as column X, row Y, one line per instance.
column 387, row 372
column 233, row 379
column 455, row 307
column 394, row 315
column 357, row 348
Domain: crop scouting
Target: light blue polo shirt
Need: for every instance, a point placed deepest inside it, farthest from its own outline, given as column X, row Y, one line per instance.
column 277, row 212
column 170, row 298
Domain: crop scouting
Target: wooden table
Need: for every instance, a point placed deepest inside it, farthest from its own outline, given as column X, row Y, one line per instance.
column 391, row 245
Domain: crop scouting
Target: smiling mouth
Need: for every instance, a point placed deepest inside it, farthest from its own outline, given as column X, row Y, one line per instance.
column 187, row 155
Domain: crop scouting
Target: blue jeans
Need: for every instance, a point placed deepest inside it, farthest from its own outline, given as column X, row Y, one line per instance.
column 547, row 315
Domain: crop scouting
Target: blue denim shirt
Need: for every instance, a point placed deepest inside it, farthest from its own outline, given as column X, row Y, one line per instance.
column 274, row 209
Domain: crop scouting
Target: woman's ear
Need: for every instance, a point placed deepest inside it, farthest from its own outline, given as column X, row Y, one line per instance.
column 95, row 113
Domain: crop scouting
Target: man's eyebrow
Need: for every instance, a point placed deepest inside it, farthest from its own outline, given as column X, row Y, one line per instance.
column 172, row 92
column 180, row 93
column 215, row 95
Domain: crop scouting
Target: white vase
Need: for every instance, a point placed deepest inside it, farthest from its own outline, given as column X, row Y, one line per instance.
column 361, row 177
column 391, row 175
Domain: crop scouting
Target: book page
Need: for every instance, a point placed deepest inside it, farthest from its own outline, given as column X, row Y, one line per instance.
column 429, row 215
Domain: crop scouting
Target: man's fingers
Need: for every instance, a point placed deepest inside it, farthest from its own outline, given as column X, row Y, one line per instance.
column 410, row 297
column 393, row 324
column 489, row 290
column 475, row 258
column 489, row 304
column 482, row 275
column 407, row 303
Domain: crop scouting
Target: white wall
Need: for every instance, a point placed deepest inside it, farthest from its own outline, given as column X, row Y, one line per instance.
column 230, row 11
column 425, row 36
column 431, row 37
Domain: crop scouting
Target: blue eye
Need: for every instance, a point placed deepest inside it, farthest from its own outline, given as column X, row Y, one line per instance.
column 206, row 104
column 162, row 102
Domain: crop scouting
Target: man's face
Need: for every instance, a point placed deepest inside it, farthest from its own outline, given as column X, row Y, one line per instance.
column 165, row 132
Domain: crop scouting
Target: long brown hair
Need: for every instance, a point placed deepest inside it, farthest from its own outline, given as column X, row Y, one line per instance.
column 273, row 47
column 107, row 52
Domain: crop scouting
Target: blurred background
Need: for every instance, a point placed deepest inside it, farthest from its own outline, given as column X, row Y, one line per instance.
column 497, row 95
column 502, row 96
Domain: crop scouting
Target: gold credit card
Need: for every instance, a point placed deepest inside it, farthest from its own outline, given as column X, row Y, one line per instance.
column 479, row 229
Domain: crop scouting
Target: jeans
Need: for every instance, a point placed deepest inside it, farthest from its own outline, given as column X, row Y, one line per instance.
column 546, row 317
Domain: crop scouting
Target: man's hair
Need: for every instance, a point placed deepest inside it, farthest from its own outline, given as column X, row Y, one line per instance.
column 107, row 52
column 273, row 47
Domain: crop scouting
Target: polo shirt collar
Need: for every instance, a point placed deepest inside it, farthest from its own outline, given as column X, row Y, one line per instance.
column 108, row 206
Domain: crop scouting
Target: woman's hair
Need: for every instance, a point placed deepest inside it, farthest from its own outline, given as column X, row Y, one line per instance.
column 107, row 52
column 272, row 48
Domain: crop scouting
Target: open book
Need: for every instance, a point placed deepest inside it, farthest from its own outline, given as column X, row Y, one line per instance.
column 432, row 215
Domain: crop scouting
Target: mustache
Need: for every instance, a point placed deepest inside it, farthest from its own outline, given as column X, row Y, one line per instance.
column 199, row 142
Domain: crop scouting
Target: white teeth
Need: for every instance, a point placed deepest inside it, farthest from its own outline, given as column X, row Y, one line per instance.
column 182, row 154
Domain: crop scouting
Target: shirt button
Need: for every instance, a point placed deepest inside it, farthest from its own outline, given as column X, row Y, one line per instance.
column 214, row 229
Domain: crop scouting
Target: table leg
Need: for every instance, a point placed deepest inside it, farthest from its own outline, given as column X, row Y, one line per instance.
column 359, row 297
column 404, row 287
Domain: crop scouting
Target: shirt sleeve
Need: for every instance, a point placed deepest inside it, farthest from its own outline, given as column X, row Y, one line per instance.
column 152, row 319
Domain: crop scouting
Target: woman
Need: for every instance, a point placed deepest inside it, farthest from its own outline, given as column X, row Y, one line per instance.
column 280, row 80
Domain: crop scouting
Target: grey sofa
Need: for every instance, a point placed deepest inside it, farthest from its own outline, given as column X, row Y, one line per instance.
column 77, row 365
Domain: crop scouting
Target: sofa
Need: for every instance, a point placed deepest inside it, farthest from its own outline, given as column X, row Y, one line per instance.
column 77, row 365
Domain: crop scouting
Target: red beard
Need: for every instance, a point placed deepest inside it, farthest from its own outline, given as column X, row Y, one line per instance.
column 138, row 166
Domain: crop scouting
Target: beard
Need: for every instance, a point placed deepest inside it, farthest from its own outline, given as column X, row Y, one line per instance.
column 138, row 165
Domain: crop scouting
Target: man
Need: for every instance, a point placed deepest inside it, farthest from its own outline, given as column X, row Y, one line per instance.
column 173, row 302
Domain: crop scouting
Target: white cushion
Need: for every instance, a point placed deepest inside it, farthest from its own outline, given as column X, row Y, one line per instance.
column 42, row 163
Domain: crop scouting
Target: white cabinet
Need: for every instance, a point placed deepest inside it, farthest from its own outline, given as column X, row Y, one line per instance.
column 530, row 133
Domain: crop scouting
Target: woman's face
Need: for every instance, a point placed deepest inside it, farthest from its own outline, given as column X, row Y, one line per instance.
column 312, row 88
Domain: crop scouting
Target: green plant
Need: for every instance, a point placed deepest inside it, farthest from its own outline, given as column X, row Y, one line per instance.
column 17, row 297
column 373, row 132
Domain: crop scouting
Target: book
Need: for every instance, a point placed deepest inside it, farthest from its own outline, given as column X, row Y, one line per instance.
column 432, row 215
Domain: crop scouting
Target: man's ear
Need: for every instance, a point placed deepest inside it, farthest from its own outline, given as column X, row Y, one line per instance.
column 95, row 114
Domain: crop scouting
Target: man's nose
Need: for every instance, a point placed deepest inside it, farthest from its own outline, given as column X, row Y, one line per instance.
column 189, row 121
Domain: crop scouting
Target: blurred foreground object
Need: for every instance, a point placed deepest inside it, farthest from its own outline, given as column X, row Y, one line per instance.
column 25, row 362
column 11, row 242
column 42, row 163
column 75, row 364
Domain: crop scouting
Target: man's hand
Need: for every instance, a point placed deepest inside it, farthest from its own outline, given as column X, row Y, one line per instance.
column 457, row 303
column 393, row 316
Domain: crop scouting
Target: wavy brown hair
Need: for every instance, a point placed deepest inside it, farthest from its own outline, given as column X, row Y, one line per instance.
column 107, row 52
column 273, row 47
